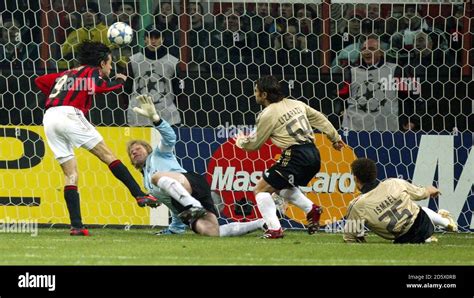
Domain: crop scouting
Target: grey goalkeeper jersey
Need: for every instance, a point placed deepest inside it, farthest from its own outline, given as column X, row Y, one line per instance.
column 153, row 77
column 373, row 101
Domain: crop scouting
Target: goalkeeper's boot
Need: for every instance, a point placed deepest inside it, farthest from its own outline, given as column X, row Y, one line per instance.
column 168, row 231
column 273, row 234
column 313, row 219
column 79, row 232
column 192, row 214
column 147, row 200
column 165, row 232
column 452, row 226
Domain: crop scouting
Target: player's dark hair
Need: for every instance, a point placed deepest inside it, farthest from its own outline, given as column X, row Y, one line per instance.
column 364, row 169
column 92, row 53
column 271, row 86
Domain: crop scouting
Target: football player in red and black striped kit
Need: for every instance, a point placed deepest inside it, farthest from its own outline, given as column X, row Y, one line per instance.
column 69, row 97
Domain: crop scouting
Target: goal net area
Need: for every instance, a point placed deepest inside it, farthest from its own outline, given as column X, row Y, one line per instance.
column 394, row 77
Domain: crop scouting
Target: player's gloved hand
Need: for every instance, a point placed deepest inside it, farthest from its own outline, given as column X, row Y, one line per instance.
column 147, row 108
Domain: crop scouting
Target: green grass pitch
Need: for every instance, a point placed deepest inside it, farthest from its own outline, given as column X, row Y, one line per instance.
column 142, row 247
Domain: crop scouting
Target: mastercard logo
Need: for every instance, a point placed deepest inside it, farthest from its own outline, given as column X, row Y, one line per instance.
column 233, row 173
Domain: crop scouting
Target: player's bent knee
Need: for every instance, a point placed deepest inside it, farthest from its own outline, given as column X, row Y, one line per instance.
column 107, row 158
column 103, row 153
column 63, row 160
column 156, row 178
column 209, row 230
column 262, row 186
column 258, row 189
column 207, row 226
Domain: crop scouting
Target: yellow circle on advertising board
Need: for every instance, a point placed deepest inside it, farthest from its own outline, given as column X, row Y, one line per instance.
column 333, row 187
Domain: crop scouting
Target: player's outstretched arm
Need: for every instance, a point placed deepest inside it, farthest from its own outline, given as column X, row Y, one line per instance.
column 354, row 230
column 101, row 85
column 255, row 140
column 418, row 193
column 147, row 109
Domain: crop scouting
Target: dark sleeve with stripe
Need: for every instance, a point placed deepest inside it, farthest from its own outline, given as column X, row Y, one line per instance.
column 128, row 86
column 104, row 85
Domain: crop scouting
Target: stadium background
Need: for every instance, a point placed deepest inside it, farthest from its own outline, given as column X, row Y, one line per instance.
column 215, row 88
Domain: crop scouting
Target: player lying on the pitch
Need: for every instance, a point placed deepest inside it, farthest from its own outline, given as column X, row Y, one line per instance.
column 186, row 193
column 387, row 208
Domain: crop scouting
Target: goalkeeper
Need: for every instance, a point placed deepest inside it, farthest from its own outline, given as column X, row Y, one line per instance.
column 185, row 193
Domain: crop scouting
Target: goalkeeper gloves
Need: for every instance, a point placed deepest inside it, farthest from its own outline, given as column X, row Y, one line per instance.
column 147, row 108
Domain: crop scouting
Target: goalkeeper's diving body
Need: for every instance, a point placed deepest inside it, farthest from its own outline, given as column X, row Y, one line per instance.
column 388, row 208
column 185, row 193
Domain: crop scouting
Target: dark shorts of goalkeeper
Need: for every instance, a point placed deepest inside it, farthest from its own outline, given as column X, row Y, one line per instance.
column 201, row 192
column 298, row 164
column 421, row 230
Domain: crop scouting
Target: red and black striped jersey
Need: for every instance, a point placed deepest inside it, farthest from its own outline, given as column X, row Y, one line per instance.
column 75, row 87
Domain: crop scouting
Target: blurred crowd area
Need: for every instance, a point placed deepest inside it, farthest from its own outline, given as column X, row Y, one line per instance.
column 219, row 36
column 222, row 47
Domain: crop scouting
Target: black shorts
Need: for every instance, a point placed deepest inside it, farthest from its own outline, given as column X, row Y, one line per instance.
column 201, row 192
column 421, row 230
column 297, row 165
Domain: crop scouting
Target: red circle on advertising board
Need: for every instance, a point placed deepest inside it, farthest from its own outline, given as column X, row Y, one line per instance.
column 233, row 172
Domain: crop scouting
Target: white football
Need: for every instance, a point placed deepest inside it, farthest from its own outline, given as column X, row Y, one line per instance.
column 120, row 33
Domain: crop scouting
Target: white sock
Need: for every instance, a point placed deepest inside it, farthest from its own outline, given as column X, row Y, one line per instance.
column 436, row 218
column 178, row 192
column 297, row 198
column 240, row 228
column 268, row 209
